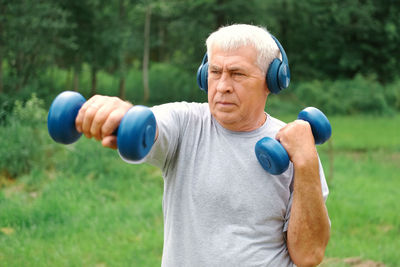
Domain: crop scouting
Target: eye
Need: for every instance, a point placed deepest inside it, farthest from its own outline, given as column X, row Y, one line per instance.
column 215, row 72
column 238, row 74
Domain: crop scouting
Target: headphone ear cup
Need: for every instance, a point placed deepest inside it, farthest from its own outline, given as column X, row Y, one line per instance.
column 202, row 75
column 278, row 75
column 283, row 76
column 272, row 76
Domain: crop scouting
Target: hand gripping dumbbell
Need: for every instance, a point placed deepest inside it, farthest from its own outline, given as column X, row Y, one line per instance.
column 135, row 134
column 273, row 156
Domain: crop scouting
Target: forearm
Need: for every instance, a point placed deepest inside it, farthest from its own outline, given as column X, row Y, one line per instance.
column 309, row 228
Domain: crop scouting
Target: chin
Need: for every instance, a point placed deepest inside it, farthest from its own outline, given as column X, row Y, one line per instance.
column 224, row 119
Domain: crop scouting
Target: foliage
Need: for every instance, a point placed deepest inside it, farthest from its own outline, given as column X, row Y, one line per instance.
column 25, row 143
column 30, row 38
column 361, row 95
column 6, row 106
column 170, row 83
column 334, row 40
column 339, row 39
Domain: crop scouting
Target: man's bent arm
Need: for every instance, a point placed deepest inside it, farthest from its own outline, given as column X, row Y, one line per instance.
column 309, row 227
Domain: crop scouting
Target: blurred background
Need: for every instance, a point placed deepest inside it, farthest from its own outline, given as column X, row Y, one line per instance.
column 81, row 205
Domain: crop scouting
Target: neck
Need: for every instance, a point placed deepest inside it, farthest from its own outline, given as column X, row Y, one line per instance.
column 248, row 126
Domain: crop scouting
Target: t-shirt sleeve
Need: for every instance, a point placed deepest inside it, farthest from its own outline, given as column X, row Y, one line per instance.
column 170, row 119
column 325, row 193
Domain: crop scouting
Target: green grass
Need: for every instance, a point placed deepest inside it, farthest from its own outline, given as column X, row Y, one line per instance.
column 363, row 201
column 366, row 133
column 363, row 207
column 89, row 208
column 102, row 212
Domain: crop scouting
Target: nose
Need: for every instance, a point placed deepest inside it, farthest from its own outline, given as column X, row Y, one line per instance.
column 224, row 84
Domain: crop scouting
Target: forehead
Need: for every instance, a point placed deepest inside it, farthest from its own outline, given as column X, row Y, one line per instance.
column 245, row 56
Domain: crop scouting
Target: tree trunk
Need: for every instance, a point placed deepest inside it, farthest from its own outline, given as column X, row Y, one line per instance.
column 1, row 55
column 76, row 79
column 122, row 52
column 284, row 25
column 1, row 68
column 122, row 94
column 18, row 71
column 93, row 89
column 68, row 79
column 146, row 55
column 3, row 11
column 220, row 13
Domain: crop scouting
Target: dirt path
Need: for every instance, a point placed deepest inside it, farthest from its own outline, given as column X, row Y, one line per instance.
column 350, row 262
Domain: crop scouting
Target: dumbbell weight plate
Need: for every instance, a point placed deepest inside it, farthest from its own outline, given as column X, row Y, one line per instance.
column 320, row 126
column 271, row 155
column 62, row 115
column 136, row 133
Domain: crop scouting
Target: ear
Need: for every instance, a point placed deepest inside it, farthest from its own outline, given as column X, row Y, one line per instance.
column 266, row 89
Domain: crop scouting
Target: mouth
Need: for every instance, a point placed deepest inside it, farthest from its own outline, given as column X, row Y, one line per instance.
column 225, row 105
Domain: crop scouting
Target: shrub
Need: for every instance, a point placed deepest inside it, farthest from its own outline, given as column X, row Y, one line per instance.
column 6, row 105
column 359, row 95
column 392, row 95
column 170, row 83
column 25, row 143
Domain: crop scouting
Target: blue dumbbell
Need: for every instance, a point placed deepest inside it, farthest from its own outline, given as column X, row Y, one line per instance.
column 273, row 156
column 135, row 134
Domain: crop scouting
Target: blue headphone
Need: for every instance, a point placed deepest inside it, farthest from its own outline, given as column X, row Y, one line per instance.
column 278, row 75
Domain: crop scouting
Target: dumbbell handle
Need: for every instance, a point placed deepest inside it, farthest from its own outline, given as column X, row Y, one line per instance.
column 272, row 155
column 135, row 134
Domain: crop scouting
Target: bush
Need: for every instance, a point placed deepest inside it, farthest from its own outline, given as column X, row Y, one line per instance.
column 25, row 143
column 359, row 95
column 169, row 83
column 6, row 105
column 392, row 95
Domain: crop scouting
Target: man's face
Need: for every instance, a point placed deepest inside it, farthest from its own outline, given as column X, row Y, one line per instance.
column 237, row 90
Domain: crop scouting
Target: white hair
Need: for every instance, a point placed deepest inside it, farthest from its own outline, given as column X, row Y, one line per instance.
column 235, row 36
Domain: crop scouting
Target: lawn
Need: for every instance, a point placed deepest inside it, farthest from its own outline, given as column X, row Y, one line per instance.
column 90, row 208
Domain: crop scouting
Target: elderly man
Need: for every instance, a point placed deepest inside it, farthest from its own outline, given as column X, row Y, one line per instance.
column 221, row 208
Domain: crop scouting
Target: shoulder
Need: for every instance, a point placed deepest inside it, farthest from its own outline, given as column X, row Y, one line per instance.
column 181, row 110
column 177, row 116
column 181, row 107
column 273, row 125
column 275, row 122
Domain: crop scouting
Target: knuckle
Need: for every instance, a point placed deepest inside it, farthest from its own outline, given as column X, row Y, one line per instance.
column 300, row 124
column 93, row 129
column 90, row 112
column 96, row 97
column 114, row 99
column 116, row 115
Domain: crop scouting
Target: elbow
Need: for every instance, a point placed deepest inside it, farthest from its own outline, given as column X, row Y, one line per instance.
column 310, row 256
column 311, row 259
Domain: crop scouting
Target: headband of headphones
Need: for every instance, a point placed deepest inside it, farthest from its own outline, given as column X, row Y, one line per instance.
column 278, row 75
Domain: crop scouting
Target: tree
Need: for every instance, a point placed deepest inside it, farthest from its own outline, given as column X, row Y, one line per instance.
column 30, row 38
column 338, row 38
column 146, row 51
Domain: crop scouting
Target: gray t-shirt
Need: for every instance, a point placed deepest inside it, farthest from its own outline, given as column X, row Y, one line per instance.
column 221, row 208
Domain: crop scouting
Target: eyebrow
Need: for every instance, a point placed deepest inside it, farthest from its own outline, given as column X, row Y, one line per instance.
column 215, row 67
column 235, row 68
column 231, row 69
